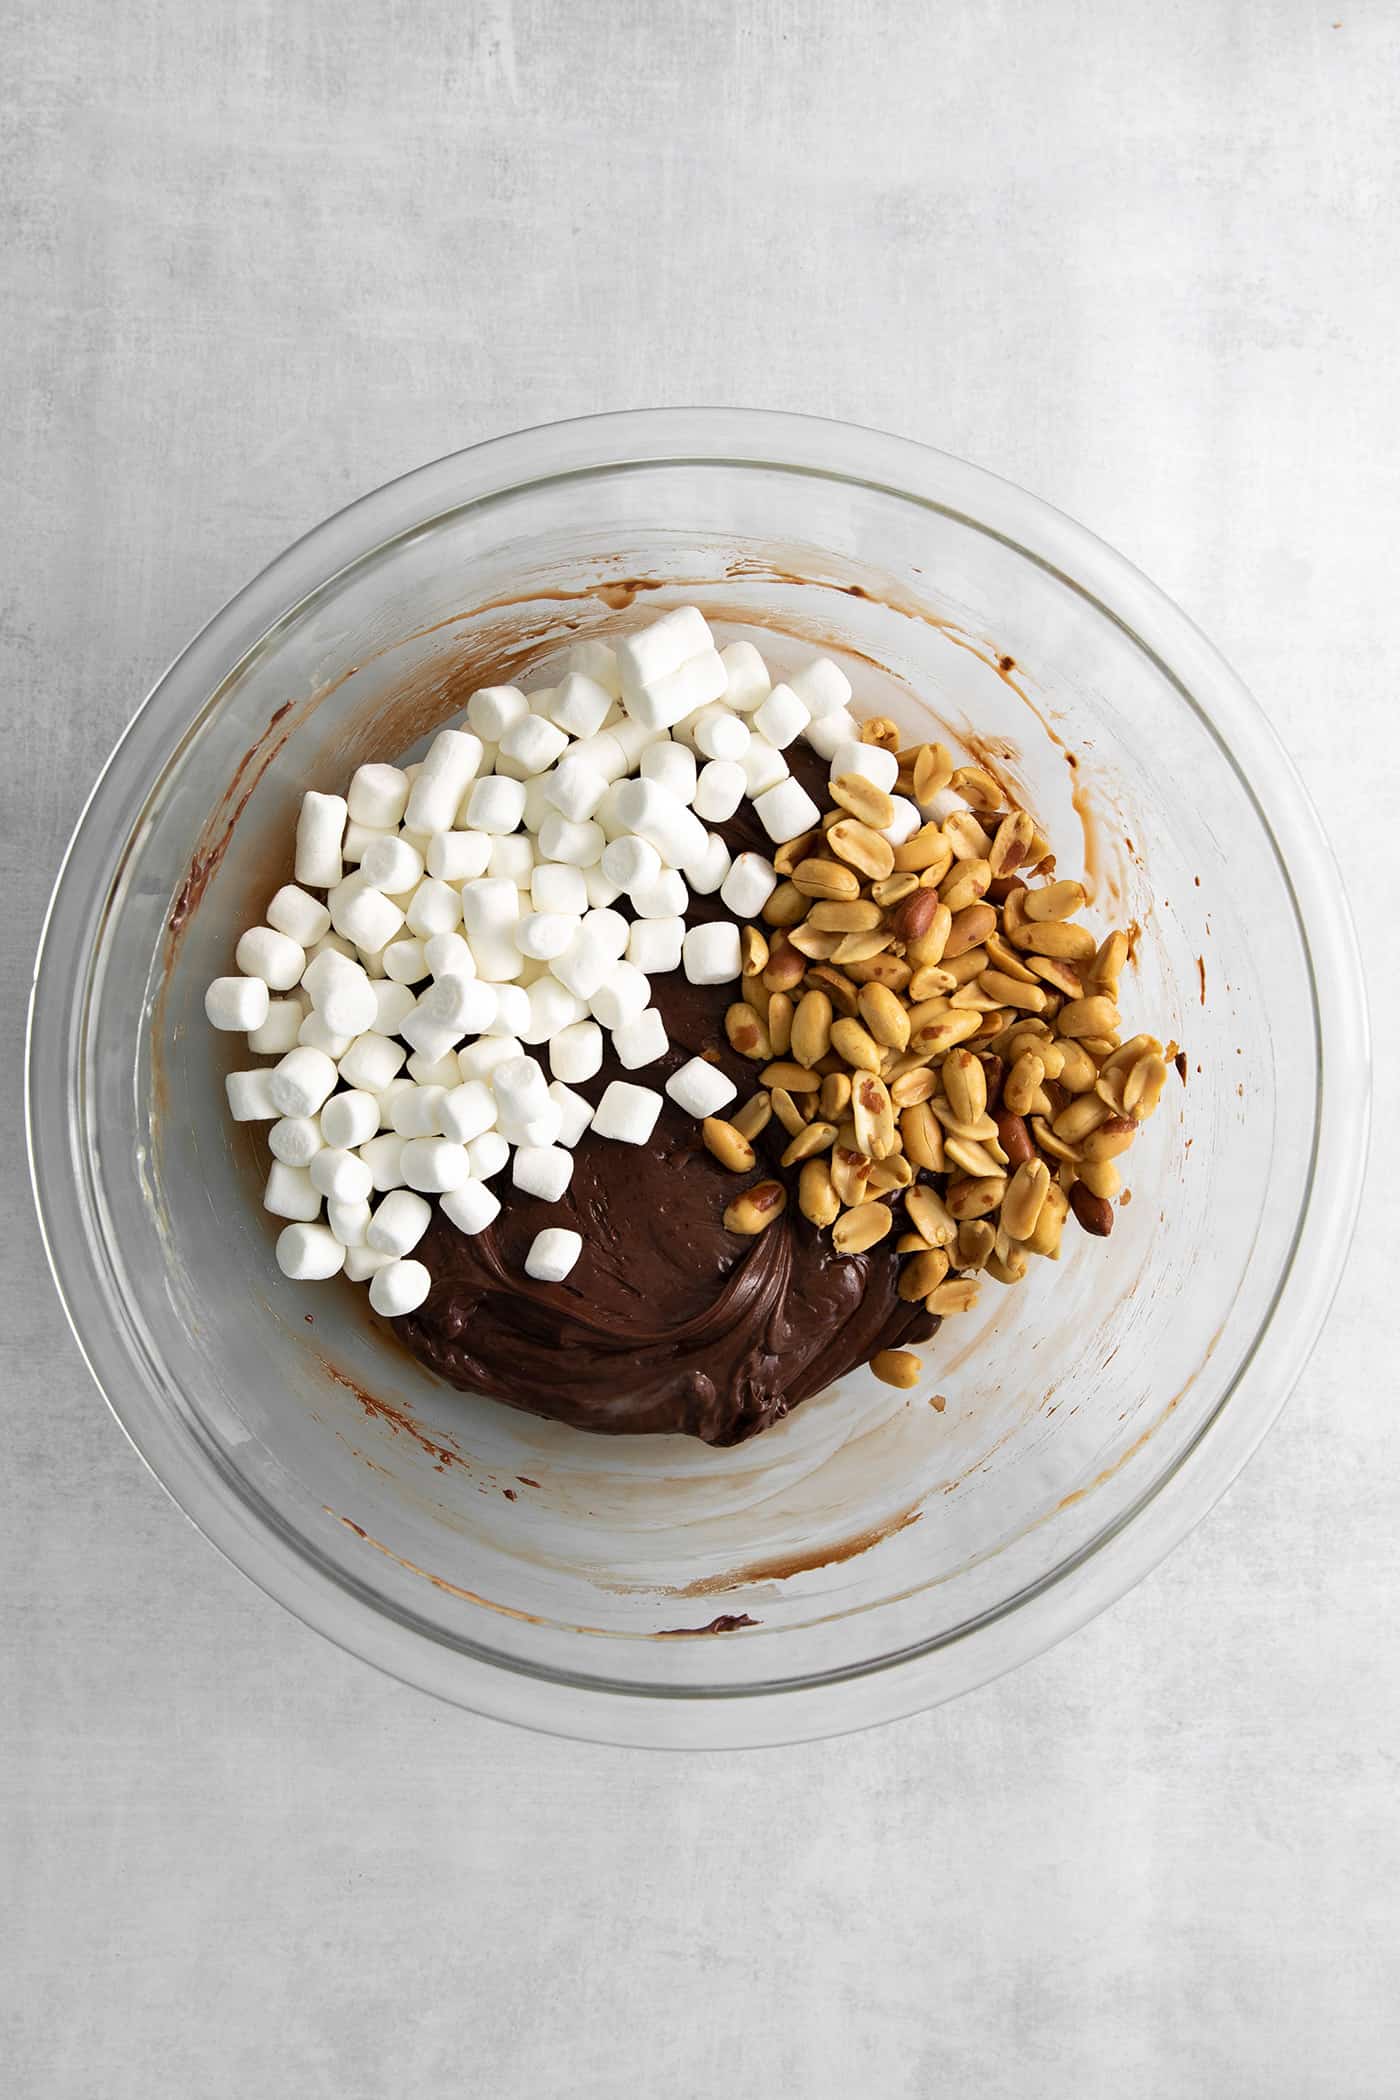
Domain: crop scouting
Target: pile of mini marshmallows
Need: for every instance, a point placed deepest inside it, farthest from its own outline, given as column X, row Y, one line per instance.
column 452, row 917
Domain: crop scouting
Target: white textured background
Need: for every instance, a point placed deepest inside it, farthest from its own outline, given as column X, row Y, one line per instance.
column 1140, row 256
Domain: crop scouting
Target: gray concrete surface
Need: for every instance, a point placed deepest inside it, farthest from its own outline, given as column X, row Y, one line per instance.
column 1139, row 257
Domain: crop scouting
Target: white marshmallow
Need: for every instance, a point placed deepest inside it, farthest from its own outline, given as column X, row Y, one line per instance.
column 363, row 1263
column 786, row 811
column 495, row 709
column 453, row 760
column 671, row 766
column 450, row 1008
column 705, row 872
column 609, row 927
column 272, row 956
column 457, row 856
column 341, row 994
column 349, row 1222
column 578, row 844
column 488, row 1154
column 827, row 733
column 576, row 1052
column 719, row 790
column 383, row 1156
column 378, row 797
column 764, row 766
column 391, row 864
column 580, row 706
column 711, row 953
column 342, row 1176
column 279, row 1031
column 575, row 788
column 496, row 804
column 641, row 1040
column 553, row 1007
column 399, row 1222
column 433, row 1071
column 296, row 1140
column 747, row 683
column 537, row 805
column 604, row 753
column 541, row 699
column 598, row 661
column 748, row 885
column 480, row 1059
column 350, row 1119
column 302, row 918
column 582, row 968
column 545, row 934
column 393, row 1003
column 472, row 1207
column 436, row 908
column 491, row 913
column 630, row 861
column 331, row 944
column 627, row 1113
column 416, row 1111
column 371, row 1062
column 512, row 859
column 599, row 888
column 557, row 887
column 782, row 717
column 466, row 1110
column 623, row 995
column 822, row 687
column 908, row 818
column 654, row 945
column 316, row 1033
column 519, row 1086
column 665, row 897
column 237, row 1003
column 870, row 761
column 302, row 1082
column 669, row 700
column 320, row 829
column 435, row 1164
column 512, row 1015
column 531, row 745
column 290, row 1193
column 357, row 838
column 399, row 1289
column 309, row 1253
column 250, row 1096
column 720, row 733
column 575, row 1114
column 700, row 1088
column 552, row 1254
column 659, row 648
column 406, row 962
column 363, row 914
column 542, row 1170
column 657, row 816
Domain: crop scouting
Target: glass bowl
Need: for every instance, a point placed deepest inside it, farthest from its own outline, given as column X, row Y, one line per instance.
column 879, row 1550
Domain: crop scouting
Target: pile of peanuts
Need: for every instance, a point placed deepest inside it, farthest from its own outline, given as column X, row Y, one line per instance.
column 938, row 1035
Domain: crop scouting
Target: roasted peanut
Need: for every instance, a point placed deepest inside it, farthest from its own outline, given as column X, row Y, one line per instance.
column 1094, row 1213
column 922, row 1274
column 816, row 1198
column 923, row 1138
column 862, row 848
column 855, row 1043
column 811, row 1028
column 864, row 800
column 747, row 1033
column 885, row 1018
column 898, row 1367
column 729, row 1146
column 815, row 1137
column 754, row 1117
column 756, row 1208
column 865, row 1226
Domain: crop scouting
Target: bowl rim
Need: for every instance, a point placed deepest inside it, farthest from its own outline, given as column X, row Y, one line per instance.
column 1109, row 1564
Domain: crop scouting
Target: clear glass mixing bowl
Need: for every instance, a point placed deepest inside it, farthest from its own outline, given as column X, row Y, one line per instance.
column 887, row 1552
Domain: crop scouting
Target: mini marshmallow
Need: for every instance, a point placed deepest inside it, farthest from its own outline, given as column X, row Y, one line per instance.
column 406, row 962
column 661, row 647
column 682, row 692
column 545, row 934
column 574, row 789
column 599, row 888
column 553, row 1007
column 393, row 1002
column 580, row 706
column 719, row 790
column 531, row 745
column 316, row 1033
column 342, row 994
column 320, row 829
column 272, row 956
column 552, row 1254
column 557, row 887
column 519, row 1086
column 764, row 766
column 466, row 1110
column 309, row 1253
column 786, row 811
column 604, row 753
column 822, row 687
column 457, row 856
column 496, row 804
column 747, row 683
column 512, row 859
column 870, row 761
column 657, row 816
column 705, row 872
column 598, row 661
column 331, row 944
column 340, row 1175
column 541, row 699
column 537, row 805
column 488, row 1154
column 472, row 1207
column 495, row 709
column 711, row 953
column 671, row 766
column 278, row 1032
column 378, row 797
column 542, row 1170
column 434, row 1164
column 391, row 864
column 623, row 995
column 450, row 1008
column 908, row 818
column 399, row 1222
column 383, row 1156
column 491, row 914
column 238, row 1004
column 350, row 1119
column 641, row 1040
column 576, row 1052
column 665, row 897
column 301, row 1082
column 296, row 1140
column 290, row 1193
column 436, row 908
column 608, row 927
column 363, row 914
column 578, row 844
column 303, row 919
column 782, row 717
column 349, row 1222
column 371, row 1062
column 453, row 760
column 399, row 1289
column 575, row 1114
column 719, row 733
column 362, row 1263
column 582, row 968
column 433, row 1071
column 357, row 838
column 250, row 1096
column 417, row 1111
column 654, row 945
column 748, row 885
column 479, row 1060
column 512, row 1015
column 827, row 733
column 627, row 1113
column 630, row 861
column 700, row 1089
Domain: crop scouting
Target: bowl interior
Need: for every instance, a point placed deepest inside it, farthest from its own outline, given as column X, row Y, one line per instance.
column 872, row 1523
